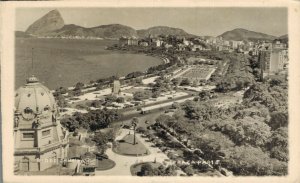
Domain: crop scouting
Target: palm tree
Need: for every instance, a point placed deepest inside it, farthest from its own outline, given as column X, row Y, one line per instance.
column 134, row 123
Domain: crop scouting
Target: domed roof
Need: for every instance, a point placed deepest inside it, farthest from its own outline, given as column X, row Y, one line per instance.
column 34, row 97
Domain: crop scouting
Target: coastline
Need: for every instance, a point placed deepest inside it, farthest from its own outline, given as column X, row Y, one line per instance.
column 66, row 58
column 91, row 86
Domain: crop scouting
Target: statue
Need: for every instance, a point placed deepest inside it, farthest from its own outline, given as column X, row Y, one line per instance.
column 53, row 117
column 36, row 123
column 16, row 124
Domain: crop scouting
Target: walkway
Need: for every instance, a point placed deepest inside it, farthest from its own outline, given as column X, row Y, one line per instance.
column 123, row 163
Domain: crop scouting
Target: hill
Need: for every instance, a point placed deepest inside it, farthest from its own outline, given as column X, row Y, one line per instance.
column 103, row 31
column 162, row 30
column 284, row 38
column 52, row 25
column 243, row 34
column 22, row 34
column 50, row 22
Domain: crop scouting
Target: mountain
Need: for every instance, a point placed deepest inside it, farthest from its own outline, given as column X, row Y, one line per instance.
column 243, row 34
column 284, row 38
column 162, row 30
column 52, row 25
column 50, row 22
column 103, row 31
column 22, row 34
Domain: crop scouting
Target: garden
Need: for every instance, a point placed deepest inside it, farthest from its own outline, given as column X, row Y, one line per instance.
column 127, row 147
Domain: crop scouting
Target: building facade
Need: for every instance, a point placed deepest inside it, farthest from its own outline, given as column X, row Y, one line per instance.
column 272, row 60
column 39, row 140
column 128, row 41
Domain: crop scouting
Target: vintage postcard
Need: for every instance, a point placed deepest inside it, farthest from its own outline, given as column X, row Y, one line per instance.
column 150, row 91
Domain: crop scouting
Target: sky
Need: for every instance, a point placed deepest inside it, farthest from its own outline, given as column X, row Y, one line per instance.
column 200, row 21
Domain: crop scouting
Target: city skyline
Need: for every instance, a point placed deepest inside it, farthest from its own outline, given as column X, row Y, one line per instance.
column 198, row 21
column 113, row 100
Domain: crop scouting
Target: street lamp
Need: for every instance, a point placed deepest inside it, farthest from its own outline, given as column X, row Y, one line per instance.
column 134, row 123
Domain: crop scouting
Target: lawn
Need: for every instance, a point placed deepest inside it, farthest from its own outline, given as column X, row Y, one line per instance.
column 198, row 72
column 105, row 164
column 226, row 100
column 133, row 90
column 134, row 169
column 85, row 104
column 126, row 147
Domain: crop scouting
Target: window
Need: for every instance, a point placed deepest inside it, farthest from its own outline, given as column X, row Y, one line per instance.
column 45, row 133
column 46, row 108
column 27, row 110
column 28, row 135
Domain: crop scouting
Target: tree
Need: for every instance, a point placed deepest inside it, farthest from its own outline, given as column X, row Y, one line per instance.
column 190, row 156
column 141, row 129
column 146, row 170
column 79, row 86
column 161, row 85
column 238, row 74
column 120, row 100
column 134, row 123
column 247, row 130
column 96, row 103
column 110, row 98
column 75, row 92
column 248, row 160
column 100, row 138
column 141, row 95
column 176, row 81
column 161, row 119
column 274, row 98
column 60, row 90
column 199, row 111
column 61, row 101
column 189, row 170
column 278, row 119
column 175, row 105
column 93, row 120
column 257, row 110
column 185, row 82
column 169, row 171
column 212, row 144
column 134, row 75
column 276, row 81
column 204, row 95
column 70, row 123
column 278, row 145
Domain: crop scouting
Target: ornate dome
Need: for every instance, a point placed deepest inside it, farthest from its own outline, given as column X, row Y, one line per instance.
column 34, row 98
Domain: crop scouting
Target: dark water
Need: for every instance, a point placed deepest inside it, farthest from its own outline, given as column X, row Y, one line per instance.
column 63, row 62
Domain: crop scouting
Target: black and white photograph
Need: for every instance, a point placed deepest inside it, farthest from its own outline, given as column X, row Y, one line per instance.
column 197, row 91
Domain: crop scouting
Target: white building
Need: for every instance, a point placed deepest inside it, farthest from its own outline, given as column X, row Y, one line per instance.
column 39, row 140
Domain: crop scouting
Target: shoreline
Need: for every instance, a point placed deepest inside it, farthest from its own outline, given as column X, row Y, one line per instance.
column 147, row 63
column 89, row 87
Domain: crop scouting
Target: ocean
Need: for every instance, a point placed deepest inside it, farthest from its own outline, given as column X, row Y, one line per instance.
column 64, row 62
